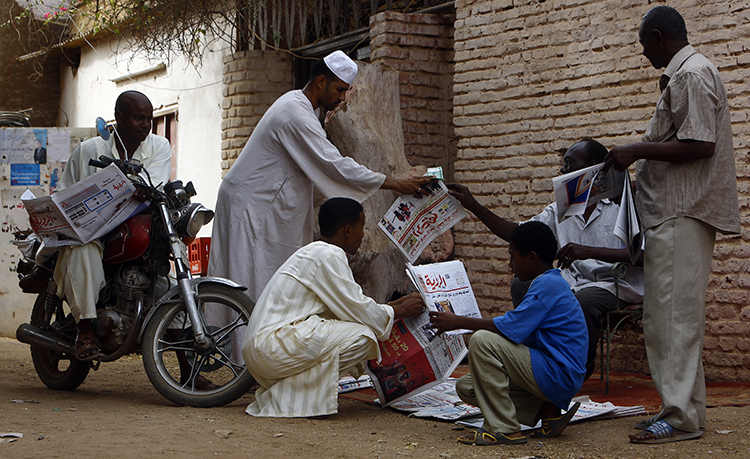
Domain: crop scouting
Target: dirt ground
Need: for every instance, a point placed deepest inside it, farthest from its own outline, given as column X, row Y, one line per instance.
column 116, row 413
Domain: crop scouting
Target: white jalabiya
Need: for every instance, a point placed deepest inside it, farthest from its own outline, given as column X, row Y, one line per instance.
column 79, row 273
column 265, row 205
column 311, row 325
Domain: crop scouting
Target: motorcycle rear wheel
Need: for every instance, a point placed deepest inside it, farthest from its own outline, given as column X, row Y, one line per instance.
column 58, row 371
column 160, row 349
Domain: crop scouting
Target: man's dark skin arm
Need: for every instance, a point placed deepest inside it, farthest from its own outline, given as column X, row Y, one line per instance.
column 502, row 228
column 673, row 151
column 446, row 321
column 499, row 226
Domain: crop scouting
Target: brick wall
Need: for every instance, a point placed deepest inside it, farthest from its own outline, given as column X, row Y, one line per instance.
column 420, row 47
column 532, row 77
column 253, row 80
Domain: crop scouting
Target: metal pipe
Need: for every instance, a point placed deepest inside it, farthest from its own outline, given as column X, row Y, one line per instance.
column 34, row 336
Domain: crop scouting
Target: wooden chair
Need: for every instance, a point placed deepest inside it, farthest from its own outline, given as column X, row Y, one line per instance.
column 615, row 317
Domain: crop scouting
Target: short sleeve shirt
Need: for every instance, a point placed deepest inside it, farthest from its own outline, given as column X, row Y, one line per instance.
column 550, row 322
column 693, row 106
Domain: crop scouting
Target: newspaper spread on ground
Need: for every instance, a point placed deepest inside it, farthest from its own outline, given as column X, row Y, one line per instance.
column 628, row 225
column 445, row 287
column 589, row 410
column 84, row 211
column 414, row 359
column 412, row 222
column 440, row 401
column 577, row 190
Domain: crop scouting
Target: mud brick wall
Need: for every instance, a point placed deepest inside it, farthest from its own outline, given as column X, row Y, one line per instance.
column 532, row 77
column 420, row 47
column 253, row 80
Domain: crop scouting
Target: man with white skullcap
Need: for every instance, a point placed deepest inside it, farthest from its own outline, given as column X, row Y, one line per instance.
column 264, row 210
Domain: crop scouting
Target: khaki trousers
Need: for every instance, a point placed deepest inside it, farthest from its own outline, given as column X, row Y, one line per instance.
column 501, row 383
column 677, row 261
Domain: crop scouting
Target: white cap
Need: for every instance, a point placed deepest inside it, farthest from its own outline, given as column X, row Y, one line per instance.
column 341, row 66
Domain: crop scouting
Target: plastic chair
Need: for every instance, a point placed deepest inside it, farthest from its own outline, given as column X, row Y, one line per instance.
column 616, row 316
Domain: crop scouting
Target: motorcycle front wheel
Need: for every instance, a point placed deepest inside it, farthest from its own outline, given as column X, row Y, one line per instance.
column 59, row 371
column 187, row 375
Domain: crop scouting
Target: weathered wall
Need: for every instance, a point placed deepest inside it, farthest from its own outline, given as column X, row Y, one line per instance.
column 253, row 80
column 532, row 77
column 30, row 84
column 420, row 47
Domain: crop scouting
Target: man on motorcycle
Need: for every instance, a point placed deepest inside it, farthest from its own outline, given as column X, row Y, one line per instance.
column 312, row 323
column 79, row 272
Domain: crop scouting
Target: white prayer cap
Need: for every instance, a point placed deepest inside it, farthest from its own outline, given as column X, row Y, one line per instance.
column 341, row 66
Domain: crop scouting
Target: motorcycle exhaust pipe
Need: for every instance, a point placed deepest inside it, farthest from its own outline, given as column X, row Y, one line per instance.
column 30, row 334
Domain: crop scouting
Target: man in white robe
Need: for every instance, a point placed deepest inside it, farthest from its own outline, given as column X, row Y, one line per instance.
column 264, row 209
column 79, row 272
column 313, row 324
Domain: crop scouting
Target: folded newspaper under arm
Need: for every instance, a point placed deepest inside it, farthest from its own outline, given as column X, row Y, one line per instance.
column 628, row 225
column 412, row 223
column 83, row 211
column 575, row 191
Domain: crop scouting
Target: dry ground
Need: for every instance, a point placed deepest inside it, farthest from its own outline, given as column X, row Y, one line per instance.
column 116, row 413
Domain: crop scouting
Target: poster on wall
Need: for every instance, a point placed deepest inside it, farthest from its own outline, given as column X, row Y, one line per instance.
column 18, row 145
column 40, row 152
column 58, row 146
column 24, row 175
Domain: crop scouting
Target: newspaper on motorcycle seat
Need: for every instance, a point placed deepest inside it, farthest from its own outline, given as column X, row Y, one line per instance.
column 83, row 211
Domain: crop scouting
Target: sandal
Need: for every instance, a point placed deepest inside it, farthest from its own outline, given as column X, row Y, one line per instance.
column 643, row 425
column 484, row 438
column 86, row 350
column 201, row 383
column 553, row 427
column 661, row 432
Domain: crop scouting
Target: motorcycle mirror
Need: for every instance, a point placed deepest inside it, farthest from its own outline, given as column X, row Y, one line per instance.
column 102, row 128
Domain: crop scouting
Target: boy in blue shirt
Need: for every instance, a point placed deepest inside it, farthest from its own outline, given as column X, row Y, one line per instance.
column 529, row 363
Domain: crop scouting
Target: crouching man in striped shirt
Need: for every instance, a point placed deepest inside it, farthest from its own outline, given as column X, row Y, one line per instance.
column 312, row 324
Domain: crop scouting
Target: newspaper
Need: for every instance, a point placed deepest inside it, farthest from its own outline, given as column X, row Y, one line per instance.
column 575, row 191
column 441, row 401
column 83, row 211
column 414, row 359
column 412, row 222
column 589, row 410
column 445, row 287
column 350, row 383
column 628, row 225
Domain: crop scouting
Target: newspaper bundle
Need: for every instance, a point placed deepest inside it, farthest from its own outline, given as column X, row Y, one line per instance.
column 412, row 222
column 83, row 211
column 575, row 191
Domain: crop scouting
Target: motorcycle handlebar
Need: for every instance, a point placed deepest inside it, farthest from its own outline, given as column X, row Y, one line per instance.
column 95, row 163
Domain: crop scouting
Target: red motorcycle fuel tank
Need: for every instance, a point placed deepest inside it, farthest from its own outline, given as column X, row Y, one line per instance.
column 128, row 241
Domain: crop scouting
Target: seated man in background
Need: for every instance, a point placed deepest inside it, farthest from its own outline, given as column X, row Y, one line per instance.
column 529, row 363
column 312, row 324
column 587, row 248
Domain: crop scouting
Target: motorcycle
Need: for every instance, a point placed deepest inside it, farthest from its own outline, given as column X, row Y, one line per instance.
column 180, row 350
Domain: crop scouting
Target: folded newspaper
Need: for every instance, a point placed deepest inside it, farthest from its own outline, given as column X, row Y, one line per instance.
column 628, row 225
column 83, row 211
column 575, row 191
column 412, row 222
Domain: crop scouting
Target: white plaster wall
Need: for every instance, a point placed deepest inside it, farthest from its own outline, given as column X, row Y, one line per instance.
column 88, row 93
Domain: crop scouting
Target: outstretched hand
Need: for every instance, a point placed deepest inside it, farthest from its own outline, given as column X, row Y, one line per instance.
column 461, row 193
column 443, row 321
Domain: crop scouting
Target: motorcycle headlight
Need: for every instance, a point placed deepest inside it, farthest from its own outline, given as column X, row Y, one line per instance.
column 192, row 219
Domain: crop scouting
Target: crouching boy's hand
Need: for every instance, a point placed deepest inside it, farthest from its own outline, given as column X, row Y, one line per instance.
column 444, row 321
column 410, row 305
